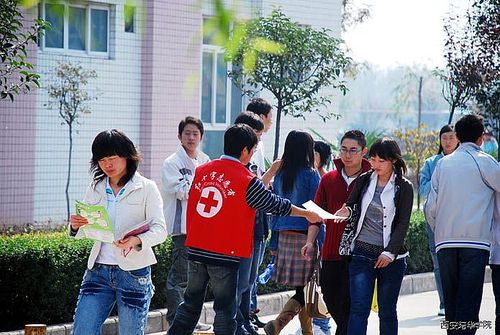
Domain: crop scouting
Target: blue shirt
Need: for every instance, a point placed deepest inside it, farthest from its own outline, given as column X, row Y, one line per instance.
column 426, row 174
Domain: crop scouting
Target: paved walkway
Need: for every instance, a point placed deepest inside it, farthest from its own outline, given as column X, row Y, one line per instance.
column 417, row 315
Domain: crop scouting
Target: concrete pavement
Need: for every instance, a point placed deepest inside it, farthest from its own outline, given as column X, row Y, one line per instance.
column 417, row 314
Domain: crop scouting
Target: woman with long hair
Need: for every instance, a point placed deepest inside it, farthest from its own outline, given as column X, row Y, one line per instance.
column 448, row 142
column 297, row 180
column 119, row 272
column 379, row 210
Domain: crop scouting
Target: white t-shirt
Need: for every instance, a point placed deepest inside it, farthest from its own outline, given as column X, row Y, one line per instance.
column 258, row 159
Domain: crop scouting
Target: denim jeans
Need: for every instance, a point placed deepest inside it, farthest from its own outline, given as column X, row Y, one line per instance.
column 105, row 285
column 177, row 276
column 223, row 280
column 495, row 280
column 462, row 274
column 253, row 294
column 362, row 275
column 435, row 264
column 247, row 274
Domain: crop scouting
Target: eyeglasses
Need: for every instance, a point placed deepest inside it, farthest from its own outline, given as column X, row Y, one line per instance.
column 351, row 151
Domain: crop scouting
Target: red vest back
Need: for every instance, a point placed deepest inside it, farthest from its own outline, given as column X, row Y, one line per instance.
column 218, row 216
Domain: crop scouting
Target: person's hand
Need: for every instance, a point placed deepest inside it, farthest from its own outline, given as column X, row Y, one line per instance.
column 77, row 221
column 382, row 261
column 128, row 242
column 273, row 252
column 313, row 217
column 307, row 251
column 343, row 211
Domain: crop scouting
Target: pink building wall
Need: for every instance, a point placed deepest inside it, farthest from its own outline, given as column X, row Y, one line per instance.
column 171, row 63
column 17, row 152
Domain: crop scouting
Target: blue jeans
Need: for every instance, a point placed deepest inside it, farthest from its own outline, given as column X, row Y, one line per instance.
column 462, row 274
column 253, row 294
column 435, row 264
column 177, row 276
column 105, row 285
column 362, row 275
column 247, row 274
column 223, row 280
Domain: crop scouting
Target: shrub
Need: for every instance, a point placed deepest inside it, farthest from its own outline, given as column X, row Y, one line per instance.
column 42, row 273
column 420, row 258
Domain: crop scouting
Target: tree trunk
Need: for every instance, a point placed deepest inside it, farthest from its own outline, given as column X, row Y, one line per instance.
column 420, row 83
column 452, row 111
column 69, row 169
column 277, row 133
column 498, row 136
column 419, row 121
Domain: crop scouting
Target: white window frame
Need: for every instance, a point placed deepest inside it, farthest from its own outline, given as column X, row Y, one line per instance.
column 216, row 51
column 65, row 49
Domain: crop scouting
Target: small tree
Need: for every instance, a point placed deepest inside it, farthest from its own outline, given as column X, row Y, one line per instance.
column 69, row 95
column 16, row 74
column 417, row 144
column 311, row 60
column 488, row 101
column 462, row 76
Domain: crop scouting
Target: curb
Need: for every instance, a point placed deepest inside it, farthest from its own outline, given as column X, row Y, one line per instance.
column 269, row 304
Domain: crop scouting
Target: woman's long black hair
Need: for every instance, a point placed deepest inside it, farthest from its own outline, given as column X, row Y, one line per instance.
column 298, row 154
column 388, row 149
column 445, row 129
column 110, row 143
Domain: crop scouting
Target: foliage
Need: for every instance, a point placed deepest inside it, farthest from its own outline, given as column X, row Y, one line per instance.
column 353, row 14
column 472, row 49
column 311, row 60
column 420, row 259
column 69, row 95
column 488, row 102
column 218, row 29
column 334, row 147
column 372, row 135
column 417, row 144
column 16, row 75
column 41, row 275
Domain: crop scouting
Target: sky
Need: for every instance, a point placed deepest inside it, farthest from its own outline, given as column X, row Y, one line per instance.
column 402, row 32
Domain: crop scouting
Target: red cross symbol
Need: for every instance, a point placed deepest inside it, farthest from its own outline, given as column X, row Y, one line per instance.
column 209, row 202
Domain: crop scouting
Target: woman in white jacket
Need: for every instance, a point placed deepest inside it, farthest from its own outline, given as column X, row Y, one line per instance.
column 119, row 272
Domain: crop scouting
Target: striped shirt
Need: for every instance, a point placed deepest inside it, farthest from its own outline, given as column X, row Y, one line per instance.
column 258, row 197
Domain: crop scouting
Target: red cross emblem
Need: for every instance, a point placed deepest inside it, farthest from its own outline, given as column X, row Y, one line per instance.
column 210, row 202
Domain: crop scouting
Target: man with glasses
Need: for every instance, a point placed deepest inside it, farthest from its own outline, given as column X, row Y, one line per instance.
column 333, row 191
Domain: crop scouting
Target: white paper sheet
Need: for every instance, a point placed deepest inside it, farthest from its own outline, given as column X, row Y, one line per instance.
column 310, row 205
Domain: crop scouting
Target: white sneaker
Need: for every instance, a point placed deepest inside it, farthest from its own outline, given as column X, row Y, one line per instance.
column 201, row 327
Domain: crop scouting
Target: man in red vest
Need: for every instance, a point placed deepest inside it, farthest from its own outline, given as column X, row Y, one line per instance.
column 220, row 221
column 333, row 191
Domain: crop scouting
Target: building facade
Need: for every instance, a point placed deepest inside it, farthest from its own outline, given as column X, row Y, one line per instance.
column 153, row 68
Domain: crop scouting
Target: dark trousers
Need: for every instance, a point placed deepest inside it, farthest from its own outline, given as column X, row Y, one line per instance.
column 223, row 280
column 495, row 279
column 334, row 281
column 462, row 276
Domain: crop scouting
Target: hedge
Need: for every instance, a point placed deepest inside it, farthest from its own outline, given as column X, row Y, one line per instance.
column 42, row 272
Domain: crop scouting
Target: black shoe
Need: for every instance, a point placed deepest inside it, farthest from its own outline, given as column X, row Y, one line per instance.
column 251, row 328
column 241, row 331
column 255, row 320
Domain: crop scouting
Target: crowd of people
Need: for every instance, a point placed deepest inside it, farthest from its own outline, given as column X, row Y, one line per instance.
column 220, row 214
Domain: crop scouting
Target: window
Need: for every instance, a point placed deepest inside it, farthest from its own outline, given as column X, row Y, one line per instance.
column 82, row 28
column 129, row 15
column 215, row 86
